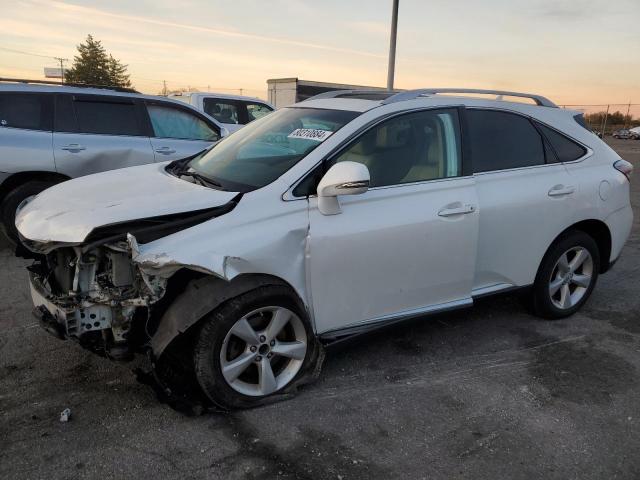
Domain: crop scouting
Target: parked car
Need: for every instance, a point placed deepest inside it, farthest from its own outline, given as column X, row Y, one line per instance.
column 324, row 220
column 232, row 111
column 623, row 134
column 635, row 133
column 49, row 134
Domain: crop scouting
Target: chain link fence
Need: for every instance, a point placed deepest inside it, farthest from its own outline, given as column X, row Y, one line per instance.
column 607, row 118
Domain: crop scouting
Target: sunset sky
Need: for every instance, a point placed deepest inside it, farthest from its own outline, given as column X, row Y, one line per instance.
column 573, row 51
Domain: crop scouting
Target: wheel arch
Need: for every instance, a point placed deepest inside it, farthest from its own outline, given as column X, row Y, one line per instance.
column 195, row 295
column 21, row 178
column 596, row 229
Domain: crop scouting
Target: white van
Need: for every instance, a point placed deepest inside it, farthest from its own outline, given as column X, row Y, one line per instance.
column 233, row 111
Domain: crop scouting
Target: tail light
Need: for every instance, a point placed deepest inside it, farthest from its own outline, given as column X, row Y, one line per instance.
column 624, row 167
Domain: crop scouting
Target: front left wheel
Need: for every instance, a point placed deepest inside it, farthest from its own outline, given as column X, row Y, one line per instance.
column 254, row 347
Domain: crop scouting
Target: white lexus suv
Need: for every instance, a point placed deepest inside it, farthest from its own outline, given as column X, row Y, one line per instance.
column 337, row 215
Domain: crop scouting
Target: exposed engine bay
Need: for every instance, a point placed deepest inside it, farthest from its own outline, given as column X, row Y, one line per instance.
column 94, row 296
column 95, row 293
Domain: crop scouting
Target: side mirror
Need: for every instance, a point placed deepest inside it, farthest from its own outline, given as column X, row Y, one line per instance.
column 344, row 178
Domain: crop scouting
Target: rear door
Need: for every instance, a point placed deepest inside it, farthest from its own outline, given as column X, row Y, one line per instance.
column 178, row 132
column 524, row 197
column 26, row 132
column 95, row 133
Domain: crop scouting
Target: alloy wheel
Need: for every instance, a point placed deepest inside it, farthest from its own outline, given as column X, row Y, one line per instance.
column 571, row 278
column 263, row 351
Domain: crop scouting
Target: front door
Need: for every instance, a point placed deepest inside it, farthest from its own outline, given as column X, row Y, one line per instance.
column 407, row 245
column 178, row 132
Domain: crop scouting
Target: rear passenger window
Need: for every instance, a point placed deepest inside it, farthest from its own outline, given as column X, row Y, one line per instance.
column 566, row 149
column 501, row 140
column 415, row 147
column 25, row 110
column 224, row 111
column 107, row 118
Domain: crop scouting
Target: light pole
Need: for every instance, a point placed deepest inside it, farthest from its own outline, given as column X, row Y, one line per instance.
column 392, row 45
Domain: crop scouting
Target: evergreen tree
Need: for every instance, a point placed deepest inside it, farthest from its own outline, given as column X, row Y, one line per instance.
column 94, row 66
column 118, row 73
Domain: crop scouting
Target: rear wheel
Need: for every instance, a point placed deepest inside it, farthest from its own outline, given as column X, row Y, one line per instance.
column 567, row 276
column 13, row 200
column 253, row 347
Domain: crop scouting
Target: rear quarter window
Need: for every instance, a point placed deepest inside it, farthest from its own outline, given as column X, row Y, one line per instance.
column 566, row 149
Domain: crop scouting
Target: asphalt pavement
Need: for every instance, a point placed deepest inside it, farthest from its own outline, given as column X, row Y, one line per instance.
column 486, row 393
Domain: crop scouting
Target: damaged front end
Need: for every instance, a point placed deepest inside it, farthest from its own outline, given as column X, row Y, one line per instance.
column 95, row 292
column 96, row 296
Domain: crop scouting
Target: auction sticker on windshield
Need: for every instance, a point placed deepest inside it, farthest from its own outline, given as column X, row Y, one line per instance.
column 310, row 134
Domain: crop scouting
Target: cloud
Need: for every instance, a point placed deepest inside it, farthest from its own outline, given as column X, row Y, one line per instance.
column 88, row 11
column 567, row 10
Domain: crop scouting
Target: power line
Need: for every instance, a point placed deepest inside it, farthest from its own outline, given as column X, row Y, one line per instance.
column 27, row 53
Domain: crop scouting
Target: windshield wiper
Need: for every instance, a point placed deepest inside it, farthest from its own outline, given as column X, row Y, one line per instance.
column 205, row 181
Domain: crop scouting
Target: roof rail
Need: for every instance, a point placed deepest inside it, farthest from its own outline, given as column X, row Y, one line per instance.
column 58, row 84
column 411, row 94
column 352, row 93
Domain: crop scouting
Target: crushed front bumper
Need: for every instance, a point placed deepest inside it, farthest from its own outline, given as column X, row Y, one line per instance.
column 67, row 321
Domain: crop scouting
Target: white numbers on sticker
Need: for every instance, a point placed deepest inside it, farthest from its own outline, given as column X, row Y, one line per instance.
column 310, row 134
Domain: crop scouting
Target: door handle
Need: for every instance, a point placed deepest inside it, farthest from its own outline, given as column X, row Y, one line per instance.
column 451, row 210
column 73, row 147
column 165, row 150
column 560, row 190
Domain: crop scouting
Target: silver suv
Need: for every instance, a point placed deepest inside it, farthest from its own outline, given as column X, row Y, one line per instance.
column 49, row 134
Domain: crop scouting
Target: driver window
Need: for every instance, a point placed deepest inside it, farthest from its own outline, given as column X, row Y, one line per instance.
column 415, row 147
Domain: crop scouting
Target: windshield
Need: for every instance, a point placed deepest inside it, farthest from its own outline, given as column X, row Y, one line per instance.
column 265, row 149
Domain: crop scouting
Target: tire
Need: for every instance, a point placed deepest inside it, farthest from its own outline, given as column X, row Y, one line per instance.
column 12, row 201
column 250, row 360
column 562, row 288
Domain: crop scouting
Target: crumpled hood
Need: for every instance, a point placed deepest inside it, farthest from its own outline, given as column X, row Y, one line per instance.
column 68, row 212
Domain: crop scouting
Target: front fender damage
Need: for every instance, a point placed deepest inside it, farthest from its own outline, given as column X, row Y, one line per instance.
column 164, row 266
column 226, row 277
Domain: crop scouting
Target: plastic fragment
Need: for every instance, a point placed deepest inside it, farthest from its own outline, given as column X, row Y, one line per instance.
column 65, row 416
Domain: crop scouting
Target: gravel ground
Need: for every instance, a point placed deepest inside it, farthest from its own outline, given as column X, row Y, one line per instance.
column 490, row 392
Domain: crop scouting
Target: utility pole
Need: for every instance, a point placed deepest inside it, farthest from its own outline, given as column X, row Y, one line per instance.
column 164, row 88
column 392, row 45
column 61, row 60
